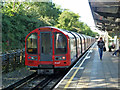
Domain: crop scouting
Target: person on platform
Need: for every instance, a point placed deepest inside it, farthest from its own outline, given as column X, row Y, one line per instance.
column 100, row 44
column 111, row 47
column 116, row 51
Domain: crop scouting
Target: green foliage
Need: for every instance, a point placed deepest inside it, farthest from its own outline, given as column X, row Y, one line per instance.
column 67, row 20
column 70, row 21
column 20, row 18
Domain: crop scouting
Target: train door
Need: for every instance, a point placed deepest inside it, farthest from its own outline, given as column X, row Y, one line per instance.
column 45, row 46
column 81, row 46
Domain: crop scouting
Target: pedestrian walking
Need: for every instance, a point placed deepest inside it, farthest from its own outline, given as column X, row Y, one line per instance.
column 101, row 45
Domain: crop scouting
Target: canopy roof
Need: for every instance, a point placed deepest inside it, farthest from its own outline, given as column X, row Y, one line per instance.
column 106, row 14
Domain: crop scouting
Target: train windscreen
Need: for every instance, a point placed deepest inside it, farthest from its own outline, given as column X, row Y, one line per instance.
column 60, row 43
column 32, row 43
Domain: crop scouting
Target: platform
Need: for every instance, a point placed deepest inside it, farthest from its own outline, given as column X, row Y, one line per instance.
column 92, row 72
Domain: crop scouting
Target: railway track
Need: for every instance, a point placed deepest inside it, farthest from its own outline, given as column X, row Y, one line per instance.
column 35, row 81
column 49, row 82
column 21, row 82
column 44, row 82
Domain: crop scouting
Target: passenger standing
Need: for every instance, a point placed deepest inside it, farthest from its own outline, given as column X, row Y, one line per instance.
column 100, row 44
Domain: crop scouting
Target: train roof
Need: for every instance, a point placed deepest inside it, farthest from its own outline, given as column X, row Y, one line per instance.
column 66, row 32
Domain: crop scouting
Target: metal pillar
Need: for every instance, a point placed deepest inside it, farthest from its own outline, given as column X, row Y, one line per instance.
column 106, row 40
column 117, row 33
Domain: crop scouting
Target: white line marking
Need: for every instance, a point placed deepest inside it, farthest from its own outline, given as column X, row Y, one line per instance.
column 78, row 68
column 90, row 51
column 87, row 57
column 74, row 66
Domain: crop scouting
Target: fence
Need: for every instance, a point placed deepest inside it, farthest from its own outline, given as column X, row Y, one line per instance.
column 12, row 60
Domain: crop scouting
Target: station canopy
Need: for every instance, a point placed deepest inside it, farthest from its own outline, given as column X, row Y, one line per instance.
column 106, row 14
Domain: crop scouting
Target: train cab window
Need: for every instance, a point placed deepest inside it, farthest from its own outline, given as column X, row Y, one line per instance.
column 60, row 43
column 32, row 44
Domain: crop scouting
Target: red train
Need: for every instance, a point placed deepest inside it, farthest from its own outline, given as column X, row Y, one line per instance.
column 49, row 48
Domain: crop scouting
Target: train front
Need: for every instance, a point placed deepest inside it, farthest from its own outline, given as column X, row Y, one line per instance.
column 46, row 49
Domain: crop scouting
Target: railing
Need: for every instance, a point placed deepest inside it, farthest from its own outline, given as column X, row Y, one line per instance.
column 12, row 60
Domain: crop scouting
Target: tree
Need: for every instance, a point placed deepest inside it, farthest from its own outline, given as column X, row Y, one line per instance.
column 20, row 18
column 67, row 20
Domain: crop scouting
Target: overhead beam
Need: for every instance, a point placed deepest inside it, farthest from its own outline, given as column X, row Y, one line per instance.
column 107, row 21
column 106, row 14
column 116, row 15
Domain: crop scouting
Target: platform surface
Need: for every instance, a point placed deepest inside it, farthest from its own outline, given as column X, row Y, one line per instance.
column 93, row 73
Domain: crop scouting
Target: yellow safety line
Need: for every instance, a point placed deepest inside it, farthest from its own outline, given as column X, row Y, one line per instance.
column 68, row 83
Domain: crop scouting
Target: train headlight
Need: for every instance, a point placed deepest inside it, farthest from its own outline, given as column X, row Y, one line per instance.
column 60, row 57
column 32, row 57
column 29, row 57
column 63, row 57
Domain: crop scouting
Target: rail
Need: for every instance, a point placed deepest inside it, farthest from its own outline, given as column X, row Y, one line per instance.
column 12, row 60
column 35, row 82
column 22, row 81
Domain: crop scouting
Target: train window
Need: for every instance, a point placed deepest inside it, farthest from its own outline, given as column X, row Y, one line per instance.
column 60, row 43
column 32, row 44
column 72, row 47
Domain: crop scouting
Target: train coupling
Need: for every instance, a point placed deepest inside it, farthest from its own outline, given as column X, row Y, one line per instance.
column 45, row 69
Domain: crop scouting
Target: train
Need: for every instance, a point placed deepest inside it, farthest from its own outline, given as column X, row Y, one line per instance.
column 48, row 48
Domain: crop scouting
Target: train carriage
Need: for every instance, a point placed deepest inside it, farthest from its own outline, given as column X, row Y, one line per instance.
column 82, row 43
column 50, row 48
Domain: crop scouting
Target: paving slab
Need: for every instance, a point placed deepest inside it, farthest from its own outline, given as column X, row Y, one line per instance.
column 93, row 73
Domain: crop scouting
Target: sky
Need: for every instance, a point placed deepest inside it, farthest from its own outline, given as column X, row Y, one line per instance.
column 80, row 7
